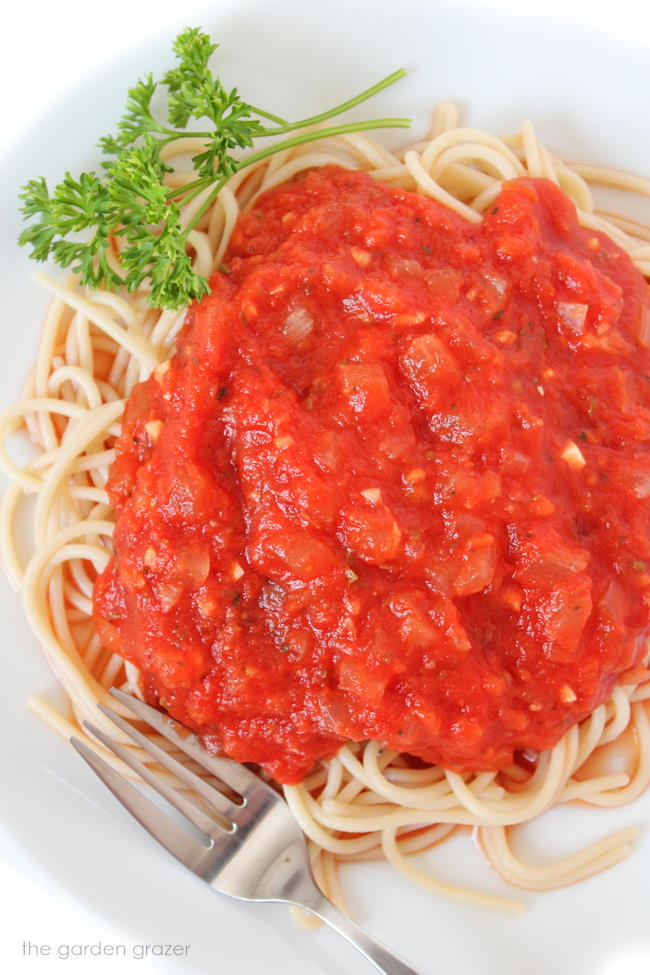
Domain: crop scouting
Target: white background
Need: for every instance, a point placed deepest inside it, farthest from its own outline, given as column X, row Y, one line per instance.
column 46, row 50
column 46, row 47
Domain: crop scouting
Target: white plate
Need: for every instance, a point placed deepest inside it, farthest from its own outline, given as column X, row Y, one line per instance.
column 587, row 94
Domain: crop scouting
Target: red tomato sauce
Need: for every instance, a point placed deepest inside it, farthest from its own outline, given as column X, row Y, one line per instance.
column 394, row 484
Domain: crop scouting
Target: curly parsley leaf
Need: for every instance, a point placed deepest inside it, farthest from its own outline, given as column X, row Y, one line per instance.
column 137, row 120
column 75, row 206
column 123, row 227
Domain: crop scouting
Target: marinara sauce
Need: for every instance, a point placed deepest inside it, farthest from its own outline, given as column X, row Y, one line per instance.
column 394, row 484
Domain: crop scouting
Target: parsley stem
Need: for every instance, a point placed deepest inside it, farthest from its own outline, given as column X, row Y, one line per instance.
column 314, row 136
column 187, row 191
column 343, row 107
column 205, row 206
column 269, row 116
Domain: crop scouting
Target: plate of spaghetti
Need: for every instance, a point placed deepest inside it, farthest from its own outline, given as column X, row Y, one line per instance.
column 335, row 447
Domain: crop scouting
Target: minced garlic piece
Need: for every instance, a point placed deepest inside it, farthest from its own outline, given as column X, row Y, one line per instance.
column 573, row 455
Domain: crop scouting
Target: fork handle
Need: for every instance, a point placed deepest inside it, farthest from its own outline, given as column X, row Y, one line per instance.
column 382, row 958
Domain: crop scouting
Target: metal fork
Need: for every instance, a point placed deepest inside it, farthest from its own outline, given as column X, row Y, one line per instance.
column 253, row 849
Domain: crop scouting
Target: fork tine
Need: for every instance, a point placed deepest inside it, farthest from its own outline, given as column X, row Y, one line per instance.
column 238, row 777
column 184, row 806
column 220, row 803
column 179, row 843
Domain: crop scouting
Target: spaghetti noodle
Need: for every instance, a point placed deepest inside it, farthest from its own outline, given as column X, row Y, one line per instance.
column 366, row 801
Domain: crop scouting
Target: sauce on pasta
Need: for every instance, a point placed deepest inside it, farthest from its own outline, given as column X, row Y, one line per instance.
column 391, row 486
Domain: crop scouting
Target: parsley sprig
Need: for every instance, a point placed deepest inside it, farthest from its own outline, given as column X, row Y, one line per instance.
column 75, row 222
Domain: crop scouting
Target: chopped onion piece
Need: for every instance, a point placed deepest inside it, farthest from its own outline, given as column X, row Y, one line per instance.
column 498, row 284
column 195, row 566
column 169, row 594
column 573, row 316
column 573, row 455
column 191, row 569
column 372, row 494
column 298, row 324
